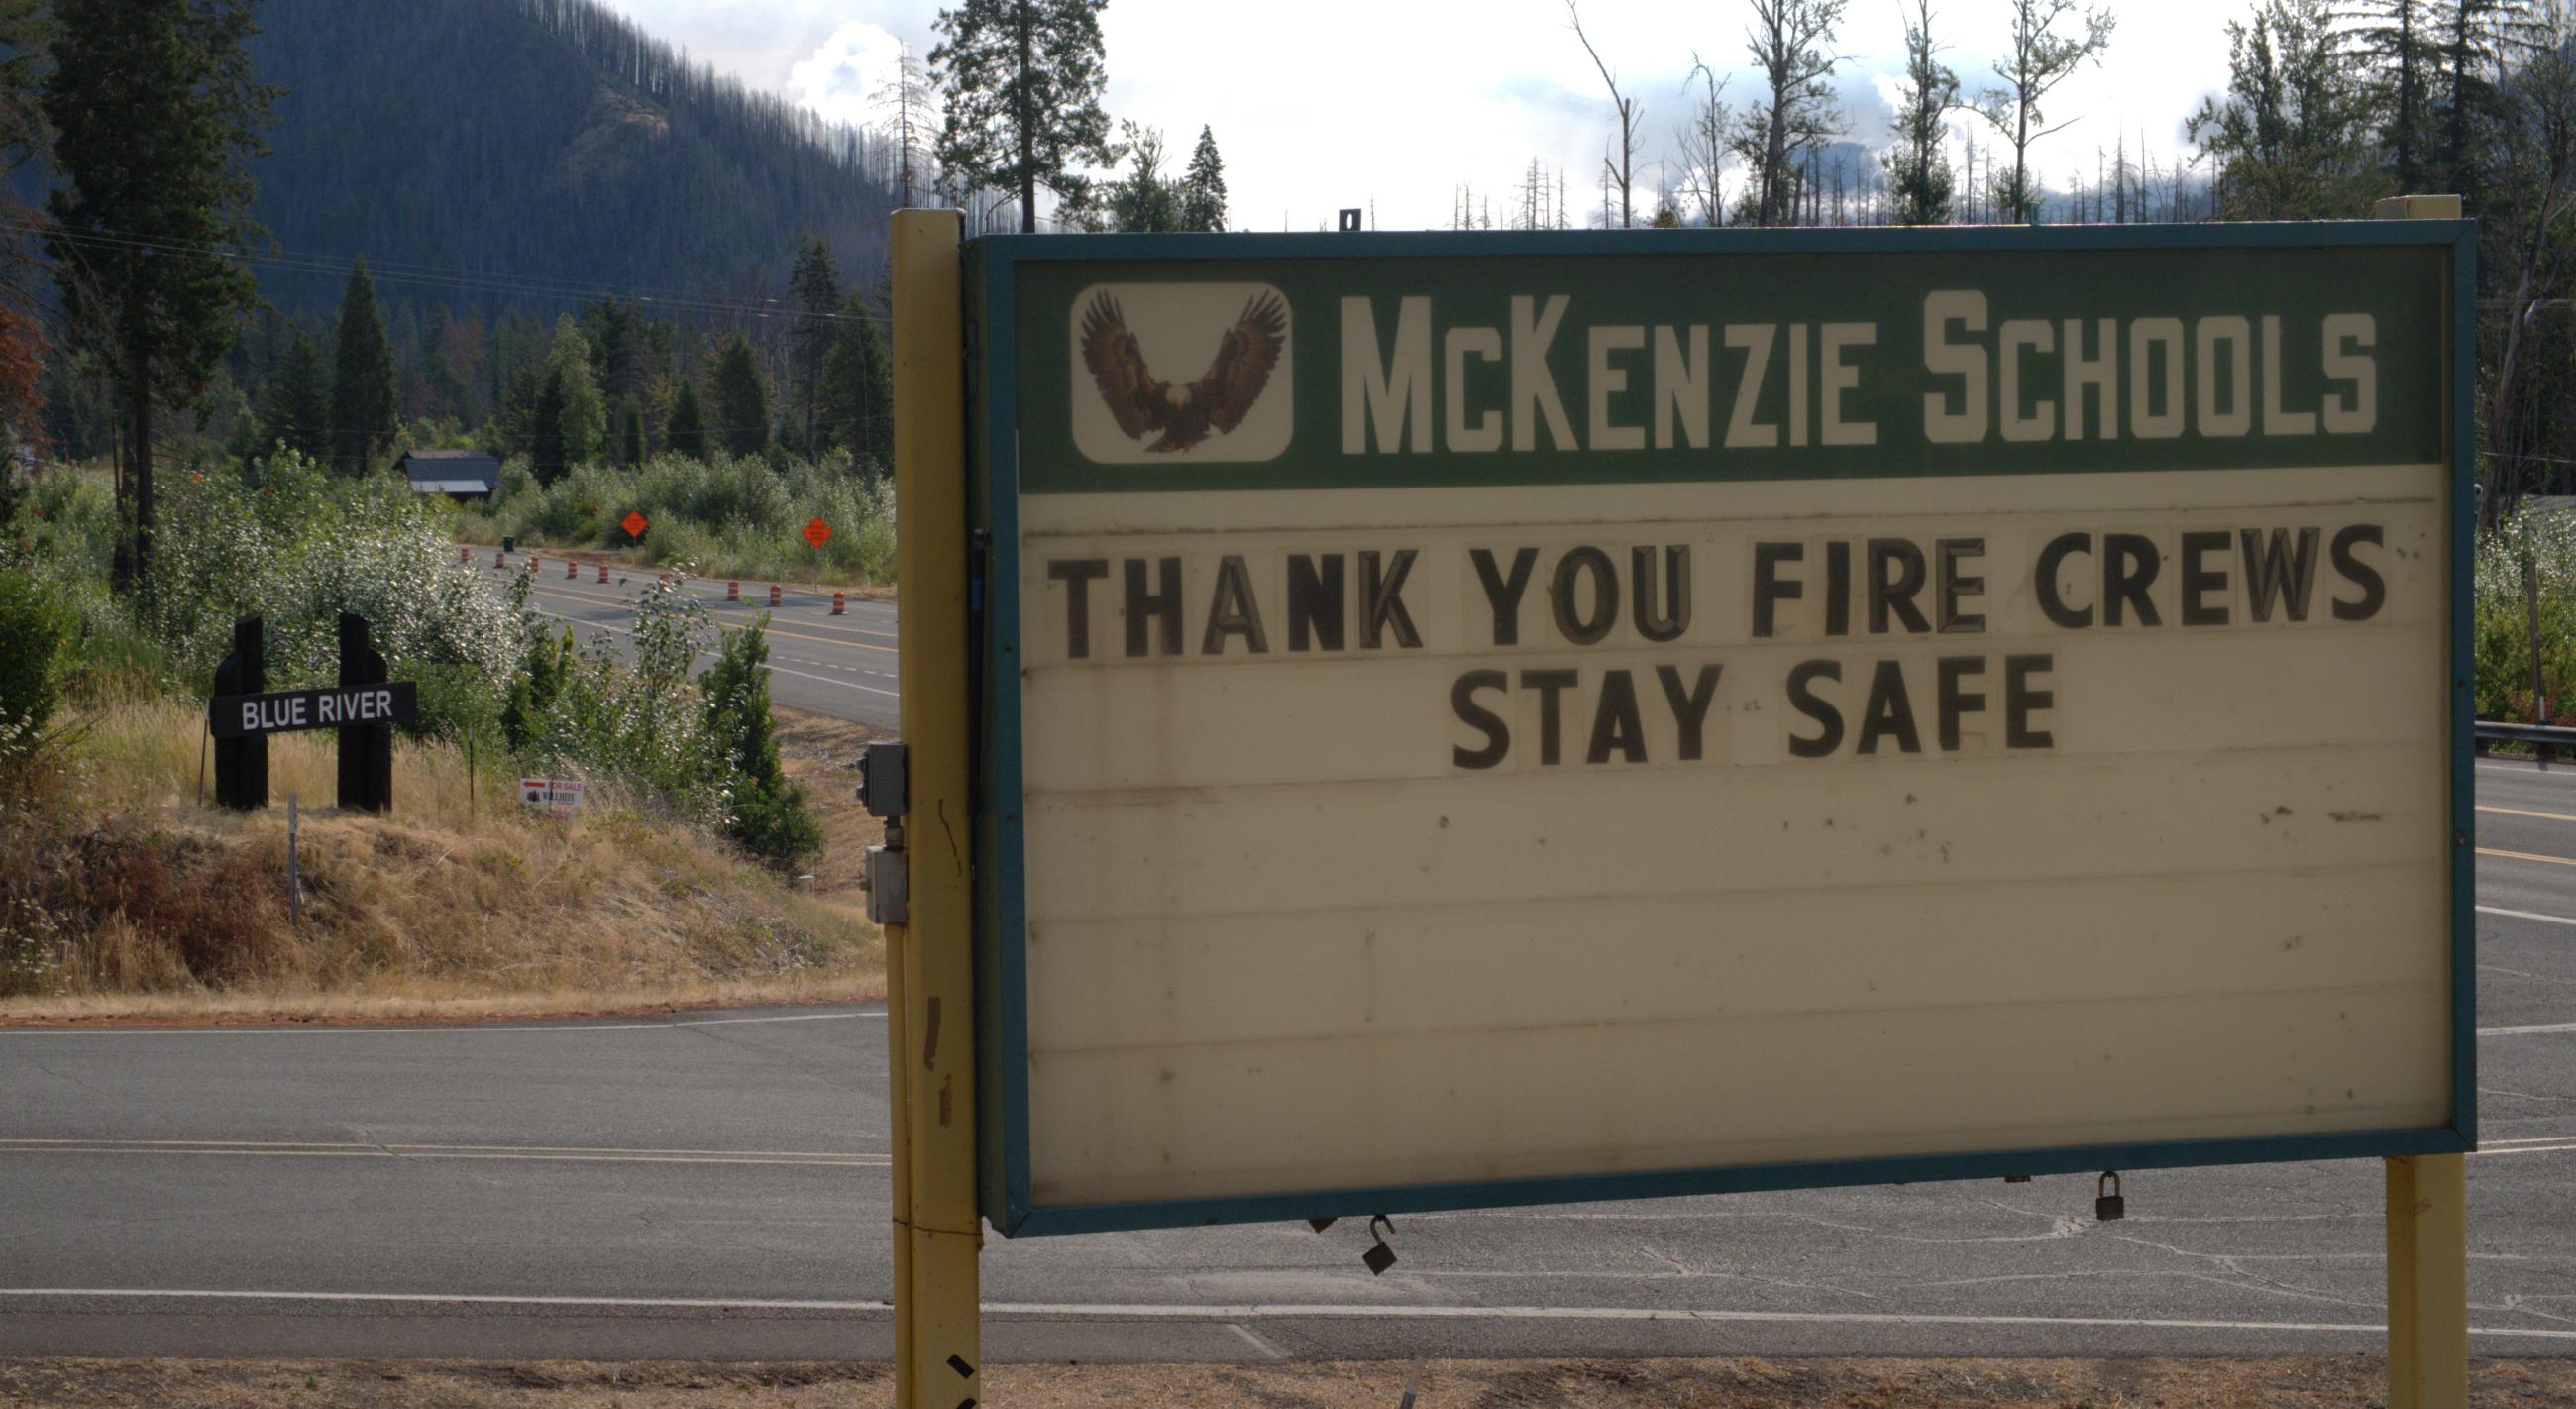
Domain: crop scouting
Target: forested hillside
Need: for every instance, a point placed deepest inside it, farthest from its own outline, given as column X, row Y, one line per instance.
column 536, row 145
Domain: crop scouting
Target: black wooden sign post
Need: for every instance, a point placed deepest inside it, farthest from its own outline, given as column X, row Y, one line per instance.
column 364, row 707
column 241, row 760
column 366, row 750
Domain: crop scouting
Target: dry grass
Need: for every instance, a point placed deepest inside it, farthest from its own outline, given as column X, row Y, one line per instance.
column 821, row 754
column 2287, row 1383
column 121, row 894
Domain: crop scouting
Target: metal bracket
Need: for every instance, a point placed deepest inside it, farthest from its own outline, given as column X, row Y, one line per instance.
column 884, row 783
column 888, row 884
column 884, row 779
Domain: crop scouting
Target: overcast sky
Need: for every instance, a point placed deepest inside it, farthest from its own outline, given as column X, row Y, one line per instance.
column 1322, row 104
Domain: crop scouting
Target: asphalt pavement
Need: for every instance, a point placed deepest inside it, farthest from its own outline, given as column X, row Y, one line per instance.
column 715, row 1186
column 841, row 666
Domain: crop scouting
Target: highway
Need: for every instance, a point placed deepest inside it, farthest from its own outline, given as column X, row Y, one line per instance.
column 840, row 666
column 714, row 1186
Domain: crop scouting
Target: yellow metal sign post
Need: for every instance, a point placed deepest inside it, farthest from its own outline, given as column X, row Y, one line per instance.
column 930, row 973
column 2428, row 1248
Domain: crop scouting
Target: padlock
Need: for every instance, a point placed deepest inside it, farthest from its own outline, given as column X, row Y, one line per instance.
column 1379, row 1257
column 2107, row 1201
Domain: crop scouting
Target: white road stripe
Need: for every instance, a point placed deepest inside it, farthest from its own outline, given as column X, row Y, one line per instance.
column 120, row 1150
column 1280, row 1311
column 497, row 1025
column 2527, row 1030
column 2526, row 915
column 773, row 669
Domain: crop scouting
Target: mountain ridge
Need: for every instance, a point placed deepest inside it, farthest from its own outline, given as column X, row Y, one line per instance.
column 525, row 155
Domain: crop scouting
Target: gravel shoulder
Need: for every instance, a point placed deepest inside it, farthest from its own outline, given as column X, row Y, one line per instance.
column 2293, row 1383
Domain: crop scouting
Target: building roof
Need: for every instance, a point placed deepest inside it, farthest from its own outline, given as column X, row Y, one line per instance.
column 444, row 469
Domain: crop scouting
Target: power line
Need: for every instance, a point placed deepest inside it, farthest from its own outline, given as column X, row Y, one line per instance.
column 398, row 272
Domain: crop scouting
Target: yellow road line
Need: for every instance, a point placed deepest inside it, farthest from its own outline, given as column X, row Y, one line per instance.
column 2518, row 812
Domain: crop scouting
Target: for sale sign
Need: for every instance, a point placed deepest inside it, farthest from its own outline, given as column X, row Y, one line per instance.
column 1483, row 720
column 553, row 794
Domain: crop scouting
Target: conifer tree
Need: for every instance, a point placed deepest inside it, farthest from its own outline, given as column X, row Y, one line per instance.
column 155, row 111
column 770, row 819
column 363, row 412
column 1023, row 80
column 581, row 413
column 1203, row 186
column 2471, row 45
column 814, row 290
column 610, row 326
column 2397, row 43
column 858, row 387
column 630, row 433
column 295, row 406
column 687, row 432
column 547, row 457
column 741, row 400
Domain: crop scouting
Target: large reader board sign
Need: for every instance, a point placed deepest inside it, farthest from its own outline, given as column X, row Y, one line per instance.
column 1496, row 719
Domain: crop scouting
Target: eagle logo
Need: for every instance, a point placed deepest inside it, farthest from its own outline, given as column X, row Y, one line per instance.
column 1183, row 414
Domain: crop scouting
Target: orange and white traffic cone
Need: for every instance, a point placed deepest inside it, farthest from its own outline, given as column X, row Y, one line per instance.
column 733, row 591
column 571, row 569
column 497, row 560
column 603, row 572
column 773, row 594
column 836, row 604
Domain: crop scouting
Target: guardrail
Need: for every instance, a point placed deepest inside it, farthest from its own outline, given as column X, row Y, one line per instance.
column 2546, row 739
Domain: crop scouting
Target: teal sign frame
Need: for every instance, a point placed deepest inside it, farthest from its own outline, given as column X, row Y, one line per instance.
column 1018, row 444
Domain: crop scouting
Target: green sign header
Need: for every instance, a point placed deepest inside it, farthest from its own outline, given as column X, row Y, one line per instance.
column 1358, row 372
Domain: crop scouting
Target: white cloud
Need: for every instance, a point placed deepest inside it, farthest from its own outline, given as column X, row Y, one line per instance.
column 841, row 78
column 1397, row 103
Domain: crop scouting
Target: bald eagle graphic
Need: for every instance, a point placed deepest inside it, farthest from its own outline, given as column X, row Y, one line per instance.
column 1184, row 413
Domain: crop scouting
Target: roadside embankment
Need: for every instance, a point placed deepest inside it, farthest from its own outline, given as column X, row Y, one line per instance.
column 2293, row 1383
column 122, row 895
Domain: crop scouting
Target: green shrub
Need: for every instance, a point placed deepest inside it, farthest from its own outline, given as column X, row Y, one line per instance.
column 735, row 516
column 34, row 629
column 634, row 724
column 286, row 541
column 769, row 815
column 2502, row 637
column 69, row 520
